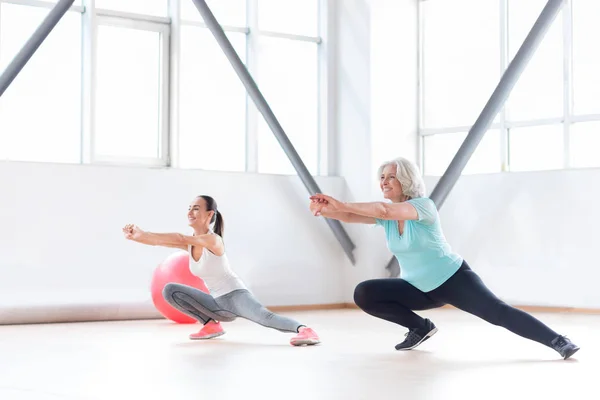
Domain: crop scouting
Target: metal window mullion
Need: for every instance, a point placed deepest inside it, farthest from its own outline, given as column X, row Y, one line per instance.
column 585, row 118
column 164, row 102
column 420, row 87
column 568, row 80
column 252, row 115
column 452, row 129
column 127, row 16
column 534, row 122
column 289, row 36
column 88, row 87
column 324, row 75
column 504, row 55
column 144, row 25
column 331, row 52
column 41, row 4
column 226, row 28
column 173, row 139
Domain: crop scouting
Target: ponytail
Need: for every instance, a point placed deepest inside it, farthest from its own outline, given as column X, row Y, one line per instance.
column 217, row 218
column 219, row 224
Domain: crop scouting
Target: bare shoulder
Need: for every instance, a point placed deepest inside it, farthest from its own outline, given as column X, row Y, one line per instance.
column 214, row 244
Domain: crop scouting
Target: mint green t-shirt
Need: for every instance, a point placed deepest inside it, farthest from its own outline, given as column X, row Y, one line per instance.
column 425, row 257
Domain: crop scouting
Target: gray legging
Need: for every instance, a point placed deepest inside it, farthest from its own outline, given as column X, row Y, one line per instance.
column 226, row 308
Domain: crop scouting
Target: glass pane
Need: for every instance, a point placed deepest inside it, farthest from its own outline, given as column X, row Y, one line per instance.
column 441, row 149
column 128, row 92
column 212, row 116
column 159, row 8
column 586, row 57
column 293, row 100
column 584, row 144
column 227, row 12
column 539, row 91
column 40, row 112
column 461, row 59
column 299, row 17
column 536, row 148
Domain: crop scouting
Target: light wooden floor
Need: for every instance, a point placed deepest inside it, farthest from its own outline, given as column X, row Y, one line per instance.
column 467, row 359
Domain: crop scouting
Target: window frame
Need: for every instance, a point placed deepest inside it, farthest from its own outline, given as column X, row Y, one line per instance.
column 567, row 119
column 169, row 28
column 150, row 24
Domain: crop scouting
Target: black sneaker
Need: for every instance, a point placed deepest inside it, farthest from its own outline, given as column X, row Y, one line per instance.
column 564, row 346
column 415, row 337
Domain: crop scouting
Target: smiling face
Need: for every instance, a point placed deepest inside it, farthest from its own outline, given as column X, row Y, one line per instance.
column 198, row 216
column 390, row 185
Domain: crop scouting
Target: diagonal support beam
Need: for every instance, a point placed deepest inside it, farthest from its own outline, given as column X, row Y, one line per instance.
column 37, row 38
column 496, row 101
column 493, row 106
column 269, row 116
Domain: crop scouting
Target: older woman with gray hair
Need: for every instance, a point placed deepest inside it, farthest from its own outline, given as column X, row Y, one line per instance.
column 432, row 273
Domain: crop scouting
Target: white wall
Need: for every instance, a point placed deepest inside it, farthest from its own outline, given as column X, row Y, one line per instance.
column 376, row 109
column 533, row 236
column 62, row 250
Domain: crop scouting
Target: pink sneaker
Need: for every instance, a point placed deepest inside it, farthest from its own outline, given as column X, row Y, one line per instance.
column 210, row 330
column 305, row 336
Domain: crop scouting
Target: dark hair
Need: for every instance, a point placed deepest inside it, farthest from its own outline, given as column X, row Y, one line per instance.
column 217, row 218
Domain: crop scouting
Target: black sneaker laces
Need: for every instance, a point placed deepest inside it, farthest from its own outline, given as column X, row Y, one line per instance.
column 561, row 342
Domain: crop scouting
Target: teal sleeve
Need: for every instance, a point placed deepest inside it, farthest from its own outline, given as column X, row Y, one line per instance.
column 426, row 210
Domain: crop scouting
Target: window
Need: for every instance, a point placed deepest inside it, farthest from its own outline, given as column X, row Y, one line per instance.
column 40, row 112
column 227, row 12
column 157, row 8
column 212, row 127
column 584, row 144
column 461, row 59
column 288, row 78
column 130, row 92
column 586, row 58
column 298, row 17
column 441, row 149
column 539, row 91
column 99, row 89
column 537, row 120
column 536, row 148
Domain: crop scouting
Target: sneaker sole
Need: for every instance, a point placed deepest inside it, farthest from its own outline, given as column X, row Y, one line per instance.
column 429, row 334
column 569, row 354
column 211, row 336
column 307, row 342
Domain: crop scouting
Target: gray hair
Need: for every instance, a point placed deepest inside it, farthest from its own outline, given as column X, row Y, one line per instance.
column 409, row 176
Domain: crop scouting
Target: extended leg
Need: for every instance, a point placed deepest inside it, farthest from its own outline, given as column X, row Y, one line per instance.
column 466, row 291
column 245, row 305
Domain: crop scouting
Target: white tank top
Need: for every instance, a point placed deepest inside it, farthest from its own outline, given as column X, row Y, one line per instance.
column 215, row 272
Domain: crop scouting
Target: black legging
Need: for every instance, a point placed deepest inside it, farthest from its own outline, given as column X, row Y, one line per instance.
column 394, row 300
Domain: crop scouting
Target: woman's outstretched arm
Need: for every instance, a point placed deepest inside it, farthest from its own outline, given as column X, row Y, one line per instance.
column 318, row 208
column 177, row 240
column 379, row 210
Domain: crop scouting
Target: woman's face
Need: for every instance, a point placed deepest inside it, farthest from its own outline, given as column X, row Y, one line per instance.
column 198, row 216
column 389, row 184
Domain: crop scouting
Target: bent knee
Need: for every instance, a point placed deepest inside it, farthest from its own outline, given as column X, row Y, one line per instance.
column 170, row 289
column 363, row 294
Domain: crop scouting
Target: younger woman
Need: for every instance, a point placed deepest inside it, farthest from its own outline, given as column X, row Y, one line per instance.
column 229, row 298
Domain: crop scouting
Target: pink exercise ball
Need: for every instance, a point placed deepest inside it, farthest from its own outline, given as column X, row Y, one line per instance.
column 174, row 269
